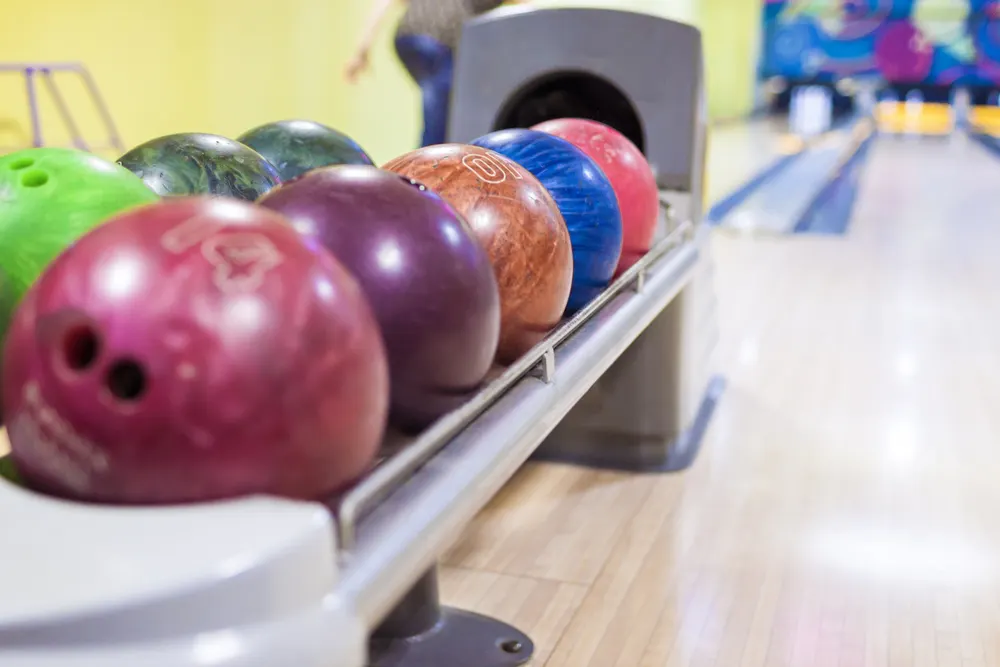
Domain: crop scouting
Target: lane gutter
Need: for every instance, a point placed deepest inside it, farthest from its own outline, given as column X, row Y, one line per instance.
column 862, row 136
column 985, row 139
column 727, row 204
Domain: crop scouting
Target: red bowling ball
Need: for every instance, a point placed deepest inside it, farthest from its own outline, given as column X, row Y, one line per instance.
column 428, row 280
column 192, row 350
column 630, row 174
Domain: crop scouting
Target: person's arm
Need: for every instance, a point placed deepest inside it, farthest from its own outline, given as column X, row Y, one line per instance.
column 359, row 62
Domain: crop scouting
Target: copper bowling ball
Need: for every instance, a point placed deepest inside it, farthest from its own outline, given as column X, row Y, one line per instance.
column 519, row 225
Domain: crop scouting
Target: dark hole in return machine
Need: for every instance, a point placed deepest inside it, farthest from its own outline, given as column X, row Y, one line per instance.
column 572, row 95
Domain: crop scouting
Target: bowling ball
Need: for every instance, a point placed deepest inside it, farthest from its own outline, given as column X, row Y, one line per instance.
column 201, row 164
column 631, row 177
column 297, row 146
column 8, row 302
column 584, row 196
column 428, row 280
column 49, row 197
column 517, row 222
column 7, row 470
column 190, row 350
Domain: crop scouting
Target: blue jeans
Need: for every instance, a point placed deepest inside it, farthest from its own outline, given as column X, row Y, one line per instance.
column 430, row 64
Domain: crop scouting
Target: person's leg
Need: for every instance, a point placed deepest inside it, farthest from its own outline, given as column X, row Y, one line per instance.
column 437, row 100
column 430, row 65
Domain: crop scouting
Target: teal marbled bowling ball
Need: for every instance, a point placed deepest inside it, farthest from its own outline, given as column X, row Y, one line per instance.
column 297, row 146
column 180, row 165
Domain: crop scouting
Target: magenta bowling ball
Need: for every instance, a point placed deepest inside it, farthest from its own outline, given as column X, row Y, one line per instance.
column 427, row 278
column 192, row 350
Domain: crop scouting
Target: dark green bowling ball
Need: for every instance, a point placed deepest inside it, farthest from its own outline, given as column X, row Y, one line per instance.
column 181, row 165
column 298, row 146
column 8, row 301
column 8, row 471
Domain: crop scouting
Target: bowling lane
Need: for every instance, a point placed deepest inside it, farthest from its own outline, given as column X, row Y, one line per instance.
column 739, row 151
column 842, row 511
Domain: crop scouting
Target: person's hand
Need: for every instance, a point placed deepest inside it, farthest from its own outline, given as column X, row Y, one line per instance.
column 357, row 65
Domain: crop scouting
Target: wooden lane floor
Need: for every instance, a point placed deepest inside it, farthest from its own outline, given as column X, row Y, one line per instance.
column 843, row 510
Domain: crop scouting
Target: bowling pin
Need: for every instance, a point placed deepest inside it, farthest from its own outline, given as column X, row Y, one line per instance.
column 809, row 111
column 807, row 105
column 795, row 110
column 803, row 112
column 825, row 108
column 866, row 100
column 818, row 110
column 960, row 107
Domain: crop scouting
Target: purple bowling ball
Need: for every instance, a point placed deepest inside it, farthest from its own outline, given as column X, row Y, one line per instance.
column 429, row 282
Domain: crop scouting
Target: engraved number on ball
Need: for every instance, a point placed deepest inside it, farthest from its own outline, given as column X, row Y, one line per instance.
column 241, row 260
column 188, row 234
column 490, row 169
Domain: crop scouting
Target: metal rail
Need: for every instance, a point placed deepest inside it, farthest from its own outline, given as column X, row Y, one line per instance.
column 540, row 360
column 421, row 499
column 46, row 70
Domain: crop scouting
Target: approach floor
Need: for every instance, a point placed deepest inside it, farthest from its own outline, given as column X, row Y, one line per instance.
column 844, row 509
column 738, row 151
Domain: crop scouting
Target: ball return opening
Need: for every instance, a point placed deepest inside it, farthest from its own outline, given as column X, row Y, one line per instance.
column 627, row 383
column 572, row 95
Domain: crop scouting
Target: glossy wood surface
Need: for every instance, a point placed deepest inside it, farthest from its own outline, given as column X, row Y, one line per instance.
column 844, row 509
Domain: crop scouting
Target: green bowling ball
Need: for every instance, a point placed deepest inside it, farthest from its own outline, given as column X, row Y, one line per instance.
column 50, row 197
column 297, row 146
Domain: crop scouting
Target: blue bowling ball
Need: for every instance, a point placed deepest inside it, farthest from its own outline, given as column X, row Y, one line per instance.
column 585, row 198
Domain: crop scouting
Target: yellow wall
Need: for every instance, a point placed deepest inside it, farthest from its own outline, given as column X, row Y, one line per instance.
column 731, row 33
column 226, row 65
column 384, row 112
column 185, row 65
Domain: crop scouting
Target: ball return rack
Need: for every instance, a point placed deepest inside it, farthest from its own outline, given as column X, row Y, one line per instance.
column 262, row 581
column 626, row 383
